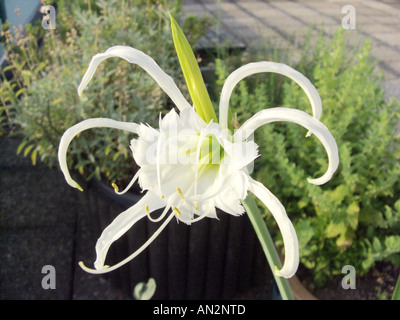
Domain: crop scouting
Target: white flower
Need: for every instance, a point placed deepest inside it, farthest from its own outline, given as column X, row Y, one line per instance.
column 190, row 167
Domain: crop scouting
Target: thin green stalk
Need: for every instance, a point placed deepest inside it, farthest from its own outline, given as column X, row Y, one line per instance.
column 268, row 245
column 396, row 292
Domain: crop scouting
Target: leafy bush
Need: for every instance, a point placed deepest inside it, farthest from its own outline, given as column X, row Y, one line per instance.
column 355, row 218
column 41, row 99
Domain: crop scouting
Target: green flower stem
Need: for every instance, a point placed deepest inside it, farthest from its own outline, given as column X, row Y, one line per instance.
column 396, row 292
column 268, row 245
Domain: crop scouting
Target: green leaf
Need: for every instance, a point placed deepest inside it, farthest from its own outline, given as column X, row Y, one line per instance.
column 396, row 292
column 27, row 150
column 305, row 232
column 352, row 214
column 392, row 244
column 334, row 229
column 34, row 156
column 191, row 71
column 376, row 245
column 397, row 205
column 21, row 146
column 338, row 194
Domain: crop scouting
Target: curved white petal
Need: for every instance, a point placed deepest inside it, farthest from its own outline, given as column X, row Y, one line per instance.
column 299, row 117
column 266, row 66
column 123, row 222
column 135, row 56
column 79, row 127
column 289, row 235
column 133, row 255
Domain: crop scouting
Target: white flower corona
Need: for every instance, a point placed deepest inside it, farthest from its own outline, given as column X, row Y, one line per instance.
column 189, row 167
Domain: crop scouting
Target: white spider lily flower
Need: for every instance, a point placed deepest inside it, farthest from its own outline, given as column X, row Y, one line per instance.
column 190, row 167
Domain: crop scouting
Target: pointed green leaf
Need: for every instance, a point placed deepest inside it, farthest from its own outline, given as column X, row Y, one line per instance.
column 396, row 292
column 191, row 71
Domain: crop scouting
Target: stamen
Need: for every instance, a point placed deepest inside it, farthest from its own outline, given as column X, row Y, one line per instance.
column 135, row 177
column 177, row 210
column 196, row 205
column 146, row 207
column 179, row 192
column 171, row 200
column 115, row 187
column 161, row 216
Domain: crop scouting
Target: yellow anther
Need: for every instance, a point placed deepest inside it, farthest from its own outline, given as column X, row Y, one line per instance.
column 115, row 187
column 162, row 196
column 177, row 210
column 146, row 207
column 196, row 205
column 179, row 192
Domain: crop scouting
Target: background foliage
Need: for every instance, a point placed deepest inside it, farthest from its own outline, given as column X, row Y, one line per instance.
column 355, row 218
column 41, row 100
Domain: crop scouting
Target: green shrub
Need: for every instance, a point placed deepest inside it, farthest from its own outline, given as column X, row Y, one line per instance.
column 355, row 218
column 41, row 99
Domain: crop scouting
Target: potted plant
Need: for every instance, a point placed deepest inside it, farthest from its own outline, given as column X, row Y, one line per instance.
column 40, row 101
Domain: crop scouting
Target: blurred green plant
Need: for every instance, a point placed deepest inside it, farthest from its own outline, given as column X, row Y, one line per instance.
column 355, row 218
column 40, row 101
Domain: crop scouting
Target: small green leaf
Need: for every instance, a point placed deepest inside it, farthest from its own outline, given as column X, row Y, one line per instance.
column 34, row 156
column 21, row 146
column 27, row 150
column 397, row 205
column 116, row 156
column 352, row 214
column 305, row 232
column 376, row 245
column 396, row 292
column 191, row 71
column 334, row 229
column 392, row 244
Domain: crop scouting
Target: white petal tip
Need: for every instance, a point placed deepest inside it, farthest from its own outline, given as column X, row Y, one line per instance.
column 74, row 184
column 286, row 275
column 319, row 181
column 80, row 91
column 82, row 265
column 93, row 271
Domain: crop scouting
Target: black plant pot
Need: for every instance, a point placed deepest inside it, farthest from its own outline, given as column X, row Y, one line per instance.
column 211, row 259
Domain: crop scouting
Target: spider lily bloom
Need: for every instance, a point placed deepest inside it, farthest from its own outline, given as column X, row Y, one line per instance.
column 190, row 167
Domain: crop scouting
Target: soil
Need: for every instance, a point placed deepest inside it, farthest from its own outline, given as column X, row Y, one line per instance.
column 378, row 284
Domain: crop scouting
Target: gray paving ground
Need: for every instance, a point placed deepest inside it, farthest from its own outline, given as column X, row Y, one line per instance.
column 34, row 231
column 285, row 23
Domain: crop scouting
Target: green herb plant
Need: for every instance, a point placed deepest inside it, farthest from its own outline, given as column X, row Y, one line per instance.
column 40, row 101
column 355, row 218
